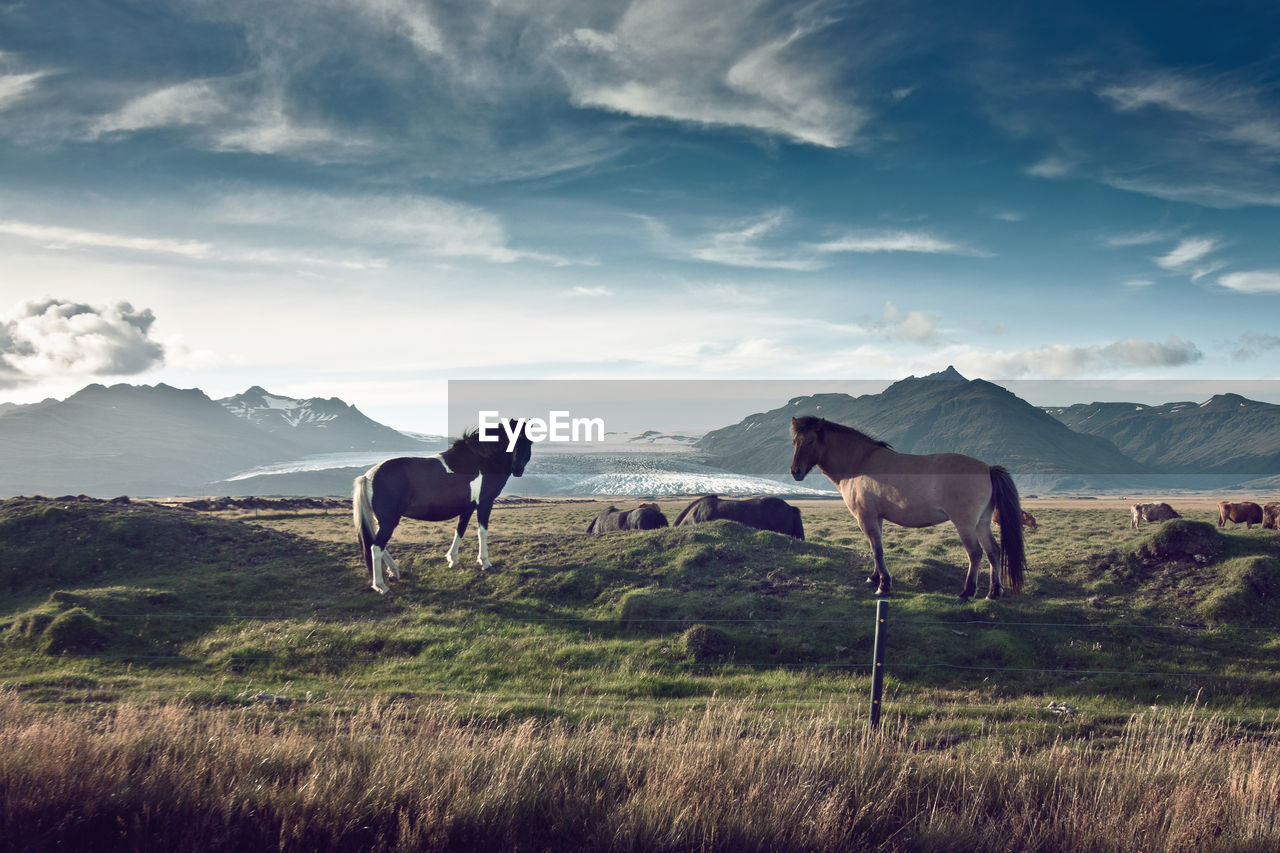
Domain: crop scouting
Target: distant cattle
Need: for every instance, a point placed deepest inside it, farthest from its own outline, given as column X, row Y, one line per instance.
column 763, row 513
column 646, row 516
column 1152, row 512
column 1028, row 520
column 1247, row 513
column 1270, row 514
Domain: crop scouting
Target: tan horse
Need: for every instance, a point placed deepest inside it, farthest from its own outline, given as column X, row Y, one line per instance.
column 879, row 483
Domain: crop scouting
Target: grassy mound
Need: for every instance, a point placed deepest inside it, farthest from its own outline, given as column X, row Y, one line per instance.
column 88, row 575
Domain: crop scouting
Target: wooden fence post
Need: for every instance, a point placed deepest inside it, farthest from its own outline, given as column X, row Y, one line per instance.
column 877, row 673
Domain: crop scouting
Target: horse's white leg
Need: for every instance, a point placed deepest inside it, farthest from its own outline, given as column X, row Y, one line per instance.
column 378, row 583
column 393, row 568
column 482, row 533
column 451, row 556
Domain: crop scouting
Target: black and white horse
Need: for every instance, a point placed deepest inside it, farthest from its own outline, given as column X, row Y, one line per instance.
column 466, row 478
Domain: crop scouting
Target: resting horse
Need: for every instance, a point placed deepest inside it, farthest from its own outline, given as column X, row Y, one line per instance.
column 767, row 513
column 646, row 516
column 466, row 478
column 878, row 483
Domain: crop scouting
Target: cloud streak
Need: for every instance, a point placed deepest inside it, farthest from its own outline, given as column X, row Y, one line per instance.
column 1063, row 360
column 898, row 241
column 726, row 66
column 1252, row 281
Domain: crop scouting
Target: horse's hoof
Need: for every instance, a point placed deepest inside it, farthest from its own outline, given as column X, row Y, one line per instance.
column 882, row 591
column 870, row 582
column 382, row 591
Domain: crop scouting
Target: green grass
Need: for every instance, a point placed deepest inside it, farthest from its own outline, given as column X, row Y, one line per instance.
column 117, row 601
column 185, row 679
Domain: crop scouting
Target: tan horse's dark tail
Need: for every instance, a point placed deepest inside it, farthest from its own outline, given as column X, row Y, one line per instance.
column 1013, row 557
column 362, row 515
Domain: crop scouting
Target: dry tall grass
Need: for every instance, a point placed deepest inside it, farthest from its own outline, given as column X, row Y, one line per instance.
column 395, row 777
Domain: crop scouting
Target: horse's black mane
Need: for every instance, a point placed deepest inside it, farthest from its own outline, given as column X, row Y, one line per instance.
column 471, row 441
column 812, row 422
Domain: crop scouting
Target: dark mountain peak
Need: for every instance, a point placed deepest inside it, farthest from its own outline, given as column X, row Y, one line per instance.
column 948, row 375
column 1226, row 401
column 257, row 391
column 944, row 380
column 122, row 390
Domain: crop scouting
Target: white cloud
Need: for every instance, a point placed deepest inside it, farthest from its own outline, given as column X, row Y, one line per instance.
column 1252, row 281
column 1136, row 238
column 727, row 357
column 1253, row 344
column 740, row 246
column 56, row 236
column 1228, row 110
column 898, row 241
column 598, row 290
column 265, row 126
column 1051, row 167
column 1062, row 360
column 1186, row 253
column 14, row 87
column 913, row 326
column 191, row 103
column 54, row 338
column 412, row 22
column 422, row 225
column 65, row 238
column 683, row 61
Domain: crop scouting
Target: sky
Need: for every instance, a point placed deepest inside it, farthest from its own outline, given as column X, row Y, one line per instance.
column 369, row 198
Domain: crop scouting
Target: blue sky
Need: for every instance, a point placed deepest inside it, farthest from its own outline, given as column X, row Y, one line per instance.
column 366, row 198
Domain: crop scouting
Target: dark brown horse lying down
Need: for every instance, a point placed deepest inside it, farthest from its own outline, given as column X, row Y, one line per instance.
column 878, row 483
column 762, row 513
column 645, row 516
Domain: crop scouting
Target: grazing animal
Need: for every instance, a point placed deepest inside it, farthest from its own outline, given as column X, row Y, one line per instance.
column 1151, row 512
column 1247, row 513
column 878, row 483
column 466, row 478
column 762, row 513
column 1028, row 520
column 1270, row 515
column 646, row 516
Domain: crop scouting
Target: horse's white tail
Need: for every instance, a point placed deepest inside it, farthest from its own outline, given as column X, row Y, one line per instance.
column 365, row 521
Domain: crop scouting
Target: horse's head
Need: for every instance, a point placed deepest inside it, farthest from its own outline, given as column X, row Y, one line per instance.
column 806, row 435
column 523, row 449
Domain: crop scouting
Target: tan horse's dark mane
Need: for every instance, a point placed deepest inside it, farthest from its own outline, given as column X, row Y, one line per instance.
column 808, row 423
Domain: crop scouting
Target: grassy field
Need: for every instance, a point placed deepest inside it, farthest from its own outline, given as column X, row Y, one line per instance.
column 692, row 688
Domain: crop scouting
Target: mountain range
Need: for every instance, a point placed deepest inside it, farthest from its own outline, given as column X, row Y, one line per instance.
column 159, row 440
column 1226, row 434
column 1225, row 441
